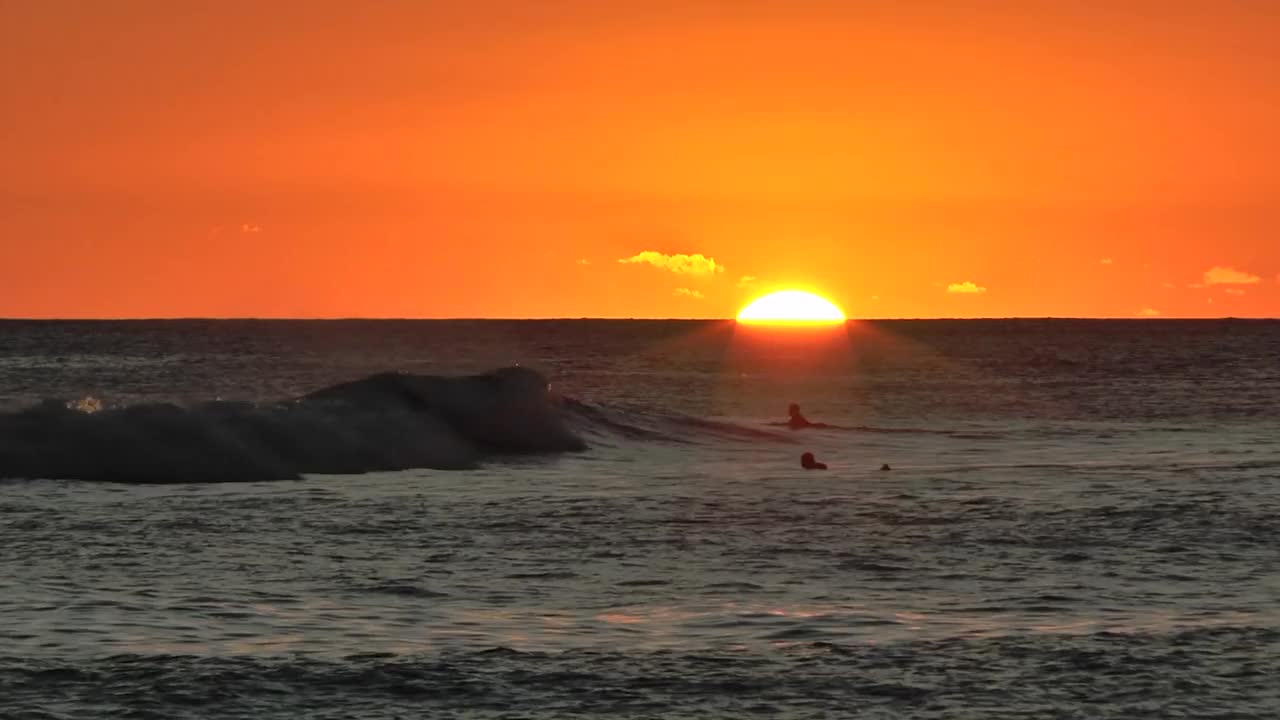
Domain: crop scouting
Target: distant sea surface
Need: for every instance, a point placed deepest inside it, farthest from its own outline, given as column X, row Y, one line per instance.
column 1081, row 519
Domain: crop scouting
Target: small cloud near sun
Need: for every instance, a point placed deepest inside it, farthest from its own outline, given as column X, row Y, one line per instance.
column 1148, row 312
column 583, row 261
column 686, row 292
column 696, row 264
column 1107, row 261
column 747, row 281
column 250, row 228
column 968, row 287
column 1218, row 275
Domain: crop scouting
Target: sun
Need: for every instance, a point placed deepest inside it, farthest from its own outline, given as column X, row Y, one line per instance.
column 791, row 307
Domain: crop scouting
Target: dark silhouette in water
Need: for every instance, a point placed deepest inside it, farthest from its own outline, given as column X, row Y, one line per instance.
column 808, row 463
column 797, row 421
column 885, row 467
column 388, row 421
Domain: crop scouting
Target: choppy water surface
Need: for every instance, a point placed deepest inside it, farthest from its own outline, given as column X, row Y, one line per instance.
column 1080, row 521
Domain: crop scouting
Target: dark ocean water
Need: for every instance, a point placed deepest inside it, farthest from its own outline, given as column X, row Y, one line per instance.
column 1082, row 520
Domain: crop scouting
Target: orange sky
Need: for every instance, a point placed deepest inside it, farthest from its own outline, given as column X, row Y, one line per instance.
column 407, row 158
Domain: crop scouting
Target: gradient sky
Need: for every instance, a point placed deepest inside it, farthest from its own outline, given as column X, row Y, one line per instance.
column 490, row 158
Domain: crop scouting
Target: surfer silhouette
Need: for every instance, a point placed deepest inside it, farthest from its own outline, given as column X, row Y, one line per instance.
column 808, row 463
column 797, row 420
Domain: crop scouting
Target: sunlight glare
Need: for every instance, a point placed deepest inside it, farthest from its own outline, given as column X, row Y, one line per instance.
column 791, row 307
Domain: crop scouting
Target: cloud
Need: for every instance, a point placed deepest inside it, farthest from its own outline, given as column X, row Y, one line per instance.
column 249, row 228
column 1218, row 275
column 696, row 264
column 1234, row 291
column 747, row 281
column 968, row 287
column 686, row 292
column 1148, row 312
column 1107, row 261
column 1169, row 285
column 1196, row 286
column 583, row 261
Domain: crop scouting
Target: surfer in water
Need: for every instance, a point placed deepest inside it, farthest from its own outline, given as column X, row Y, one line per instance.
column 808, row 463
column 797, row 421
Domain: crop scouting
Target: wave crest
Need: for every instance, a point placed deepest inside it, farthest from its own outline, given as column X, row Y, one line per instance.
column 388, row 421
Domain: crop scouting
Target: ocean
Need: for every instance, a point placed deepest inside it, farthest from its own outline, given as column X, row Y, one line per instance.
column 549, row 519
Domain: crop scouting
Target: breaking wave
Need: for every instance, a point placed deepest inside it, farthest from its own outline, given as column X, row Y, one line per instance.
column 385, row 422
column 388, row 421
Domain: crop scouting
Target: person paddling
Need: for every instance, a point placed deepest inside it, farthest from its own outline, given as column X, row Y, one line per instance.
column 797, row 420
column 808, row 463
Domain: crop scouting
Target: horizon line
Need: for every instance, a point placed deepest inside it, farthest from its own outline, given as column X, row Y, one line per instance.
column 390, row 318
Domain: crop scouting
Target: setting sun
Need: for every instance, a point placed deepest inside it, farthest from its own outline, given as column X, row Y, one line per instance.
column 791, row 306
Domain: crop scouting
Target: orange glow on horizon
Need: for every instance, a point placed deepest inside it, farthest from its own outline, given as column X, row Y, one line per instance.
column 509, row 159
column 791, row 307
